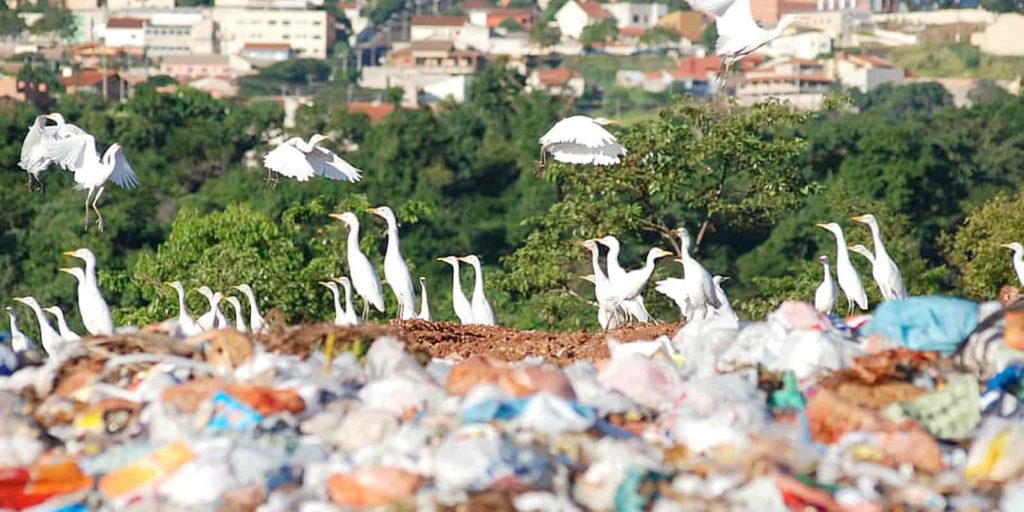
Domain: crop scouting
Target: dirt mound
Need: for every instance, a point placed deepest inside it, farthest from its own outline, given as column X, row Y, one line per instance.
column 450, row 340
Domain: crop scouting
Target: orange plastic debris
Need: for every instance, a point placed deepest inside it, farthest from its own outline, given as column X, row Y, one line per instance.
column 473, row 371
column 57, row 477
column 372, row 487
column 1013, row 332
column 187, row 397
column 534, row 379
column 151, row 469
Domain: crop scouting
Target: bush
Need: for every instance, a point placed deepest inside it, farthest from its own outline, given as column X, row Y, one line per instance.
column 975, row 250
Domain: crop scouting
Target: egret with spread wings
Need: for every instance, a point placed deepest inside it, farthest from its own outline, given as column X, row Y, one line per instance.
column 77, row 153
column 33, row 150
column 738, row 34
column 582, row 140
column 302, row 160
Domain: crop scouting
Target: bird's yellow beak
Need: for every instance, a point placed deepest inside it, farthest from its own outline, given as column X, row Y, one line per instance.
column 443, row 258
column 822, row 226
column 20, row 299
column 166, row 283
column 65, row 270
column 1007, row 246
column 372, row 210
column 462, row 259
column 678, row 260
column 726, row 278
column 334, row 215
column 850, row 247
column 324, row 283
column 859, row 218
column 69, row 253
column 613, row 121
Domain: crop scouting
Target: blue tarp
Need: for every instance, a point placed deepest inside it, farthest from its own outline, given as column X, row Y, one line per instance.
column 925, row 323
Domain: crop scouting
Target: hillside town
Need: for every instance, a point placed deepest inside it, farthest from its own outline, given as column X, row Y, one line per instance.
column 610, row 57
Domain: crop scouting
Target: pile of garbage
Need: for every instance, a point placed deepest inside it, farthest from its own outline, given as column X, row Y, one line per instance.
column 916, row 408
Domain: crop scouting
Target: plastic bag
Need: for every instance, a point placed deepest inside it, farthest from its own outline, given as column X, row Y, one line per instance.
column 925, row 323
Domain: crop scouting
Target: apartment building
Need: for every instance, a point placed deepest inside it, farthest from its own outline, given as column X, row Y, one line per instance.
column 804, row 83
column 180, row 34
column 307, row 33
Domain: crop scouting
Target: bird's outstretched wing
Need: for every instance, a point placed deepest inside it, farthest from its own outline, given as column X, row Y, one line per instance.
column 329, row 165
column 675, row 289
column 716, row 7
column 72, row 152
column 580, row 130
column 123, row 175
column 67, row 130
column 289, row 161
column 736, row 22
column 578, row 154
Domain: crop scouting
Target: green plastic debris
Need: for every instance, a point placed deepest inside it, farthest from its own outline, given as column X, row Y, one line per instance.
column 951, row 412
column 789, row 397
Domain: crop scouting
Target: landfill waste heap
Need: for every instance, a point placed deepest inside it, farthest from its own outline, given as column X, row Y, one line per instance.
column 913, row 408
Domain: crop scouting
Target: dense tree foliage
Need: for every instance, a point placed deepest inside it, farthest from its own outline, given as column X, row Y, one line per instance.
column 975, row 249
column 601, row 31
column 10, row 22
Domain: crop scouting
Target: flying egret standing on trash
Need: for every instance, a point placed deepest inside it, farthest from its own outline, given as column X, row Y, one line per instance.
column 463, row 309
column 1018, row 259
column 826, row 294
column 77, row 153
column 582, row 140
column 302, row 160
column 93, row 308
column 883, row 268
column 849, row 280
column 363, row 273
column 396, row 272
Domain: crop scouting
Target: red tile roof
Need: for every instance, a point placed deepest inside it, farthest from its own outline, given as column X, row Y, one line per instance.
column 805, row 62
column 87, row 77
column 594, row 10
column 346, row 5
column 267, row 46
column 632, row 31
column 523, row 17
column 373, row 109
column 696, row 68
column 439, row 21
column 472, row 5
column 125, row 23
column 554, row 76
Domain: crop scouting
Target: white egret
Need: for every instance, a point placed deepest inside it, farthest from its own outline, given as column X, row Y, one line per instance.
column 62, row 324
column 738, row 34
column 186, row 325
column 239, row 319
column 725, row 307
column 212, row 319
column 424, row 303
column 350, row 310
column 700, row 288
column 582, row 140
column 33, row 149
column 615, row 270
column 482, row 312
column 339, row 312
column 849, row 280
column 93, row 308
column 826, row 294
column 77, row 153
column 630, row 284
column 19, row 341
column 256, row 322
column 1018, row 259
column 364, row 274
column 605, row 318
column 883, row 268
column 607, row 313
column 463, row 309
column 48, row 336
column 396, row 273
column 302, row 160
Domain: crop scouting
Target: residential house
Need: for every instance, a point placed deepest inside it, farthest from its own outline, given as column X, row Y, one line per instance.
column 841, row 26
column 575, row 15
column 191, row 67
column 1004, row 37
column 649, row 81
column 82, row 5
column 523, row 17
column 477, row 11
column 269, row 4
column 179, row 34
column 262, row 54
column 688, row 24
column 108, row 84
column 769, row 12
column 428, row 28
column 436, row 57
column 308, row 33
column 802, row 82
column 556, row 81
column 865, row 72
column 630, row 14
column 125, row 33
column 216, row 86
column 695, row 75
column 37, row 93
column 375, row 110
column 802, row 43
column 353, row 11
column 421, row 88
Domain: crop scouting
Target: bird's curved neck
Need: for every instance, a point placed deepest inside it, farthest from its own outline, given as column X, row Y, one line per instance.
column 239, row 321
column 456, row 281
column 90, row 272
column 826, row 270
column 392, row 248
column 338, row 312
column 478, row 281
column 353, row 237
column 684, row 248
column 424, row 304
column 842, row 252
column 45, row 328
column 648, row 268
column 348, row 299
column 14, row 324
column 182, row 307
column 876, row 239
column 62, row 323
column 596, row 263
column 612, row 259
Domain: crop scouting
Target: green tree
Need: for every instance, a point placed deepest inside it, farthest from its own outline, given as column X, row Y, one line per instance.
column 709, row 37
column 659, row 36
column 975, row 248
column 511, row 25
column 600, row 32
column 545, row 34
column 10, row 22
column 56, row 19
column 697, row 165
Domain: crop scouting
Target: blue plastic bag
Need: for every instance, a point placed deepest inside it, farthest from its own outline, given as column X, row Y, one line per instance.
column 230, row 414
column 925, row 323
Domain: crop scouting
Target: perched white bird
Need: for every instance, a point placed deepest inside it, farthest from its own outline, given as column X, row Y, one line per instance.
column 62, row 324
column 463, row 309
column 239, row 319
column 48, row 336
column 93, row 308
column 186, row 325
column 212, row 319
column 725, row 307
column 883, row 268
column 302, row 160
column 339, row 312
column 77, row 153
column 350, row 310
column 695, row 292
column 256, row 321
column 738, row 34
column 608, row 316
column 482, row 312
column 364, row 274
column 19, row 341
column 1018, row 259
column 849, row 280
column 630, row 284
column 582, row 140
column 424, row 303
column 615, row 270
column 396, row 273
column 826, row 294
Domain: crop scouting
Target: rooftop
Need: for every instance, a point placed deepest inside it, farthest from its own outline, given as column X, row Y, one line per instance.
column 689, row 24
column 554, row 76
column 439, row 21
column 198, row 59
column 632, row 31
column 267, row 46
column 87, row 77
column 126, row 23
column 594, row 10
column 375, row 110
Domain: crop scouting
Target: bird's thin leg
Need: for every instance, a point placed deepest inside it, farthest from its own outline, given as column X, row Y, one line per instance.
column 85, row 223
column 95, row 200
column 849, row 306
column 29, row 184
column 366, row 309
column 42, row 188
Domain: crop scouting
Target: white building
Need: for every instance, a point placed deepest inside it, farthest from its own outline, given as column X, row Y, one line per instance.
column 865, row 72
column 804, row 83
column 120, row 5
column 269, row 4
column 574, row 16
column 556, row 81
column 636, row 14
column 308, row 33
column 432, row 28
column 357, row 22
column 420, row 88
column 186, row 33
column 1004, row 37
column 124, row 33
column 804, row 44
